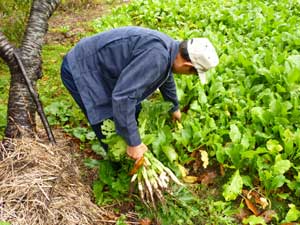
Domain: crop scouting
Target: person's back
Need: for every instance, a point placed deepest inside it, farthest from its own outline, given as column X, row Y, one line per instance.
column 97, row 62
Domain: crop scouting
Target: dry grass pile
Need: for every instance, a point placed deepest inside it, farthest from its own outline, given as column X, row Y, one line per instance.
column 41, row 184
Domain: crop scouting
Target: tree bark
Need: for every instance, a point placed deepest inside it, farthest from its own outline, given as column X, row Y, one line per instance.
column 21, row 107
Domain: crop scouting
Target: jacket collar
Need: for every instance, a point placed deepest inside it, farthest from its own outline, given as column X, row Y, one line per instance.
column 173, row 53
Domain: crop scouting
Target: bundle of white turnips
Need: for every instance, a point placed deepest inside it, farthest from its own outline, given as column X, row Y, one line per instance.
column 153, row 179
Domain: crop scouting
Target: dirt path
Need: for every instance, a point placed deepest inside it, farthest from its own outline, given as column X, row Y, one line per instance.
column 67, row 25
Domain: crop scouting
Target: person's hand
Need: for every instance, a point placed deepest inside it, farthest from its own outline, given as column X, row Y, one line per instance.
column 176, row 116
column 136, row 152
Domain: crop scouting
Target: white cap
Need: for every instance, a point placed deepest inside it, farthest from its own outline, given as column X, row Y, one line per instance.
column 203, row 56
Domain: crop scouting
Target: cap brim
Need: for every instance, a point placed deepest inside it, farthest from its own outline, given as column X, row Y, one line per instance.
column 202, row 77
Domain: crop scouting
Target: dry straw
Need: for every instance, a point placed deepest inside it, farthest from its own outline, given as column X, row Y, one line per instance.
column 41, row 184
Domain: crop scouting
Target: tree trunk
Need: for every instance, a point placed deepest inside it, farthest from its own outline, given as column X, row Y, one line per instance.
column 21, row 107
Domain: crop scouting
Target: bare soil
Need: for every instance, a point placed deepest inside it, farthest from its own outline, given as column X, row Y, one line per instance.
column 66, row 24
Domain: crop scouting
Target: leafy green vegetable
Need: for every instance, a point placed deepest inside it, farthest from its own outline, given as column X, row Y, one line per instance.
column 293, row 214
column 234, row 187
column 254, row 220
column 247, row 117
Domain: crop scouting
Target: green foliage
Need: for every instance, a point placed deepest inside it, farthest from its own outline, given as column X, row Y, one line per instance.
column 4, row 223
column 117, row 146
column 121, row 220
column 293, row 214
column 234, row 187
column 13, row 17
column 4, row 85
column 254, row 220
column 182, row 207
column 189, row 209
column 113, row 182
column 248, row 115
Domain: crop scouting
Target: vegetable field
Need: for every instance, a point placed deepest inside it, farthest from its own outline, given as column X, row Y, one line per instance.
column 247, row 117
column 243, row 126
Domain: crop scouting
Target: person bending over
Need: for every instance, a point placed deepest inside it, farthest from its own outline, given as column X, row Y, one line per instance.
column 111, row 73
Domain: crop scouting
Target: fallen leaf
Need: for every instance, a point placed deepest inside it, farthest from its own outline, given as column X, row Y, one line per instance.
column 268, row 215
column 204, row 158
column 208, row 177
column 190, row 179
column 183, row 170
column 145, row 221
column 263, row 202
column 222, row 170
column 197, row 162
column 252, row 207
column 255, row 195
column 242, row 214
column 194, row 154
column 245, row 193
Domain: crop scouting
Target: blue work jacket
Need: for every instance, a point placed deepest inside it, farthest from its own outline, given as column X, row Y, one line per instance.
column 117, row 69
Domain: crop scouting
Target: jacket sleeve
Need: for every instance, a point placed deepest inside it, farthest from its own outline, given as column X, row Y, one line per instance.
column 145, row 70
column 168, row 91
